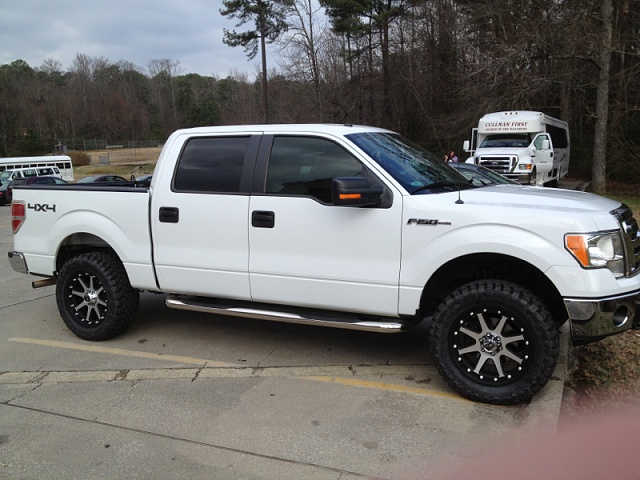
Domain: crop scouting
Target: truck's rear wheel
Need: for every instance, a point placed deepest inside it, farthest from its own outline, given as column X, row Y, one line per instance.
column 494, row 341
column 94, row 296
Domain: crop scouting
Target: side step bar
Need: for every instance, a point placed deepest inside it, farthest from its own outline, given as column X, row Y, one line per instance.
column 301, row 317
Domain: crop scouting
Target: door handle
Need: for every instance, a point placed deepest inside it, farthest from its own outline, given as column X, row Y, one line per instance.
column 263, row 219
column 169, row 215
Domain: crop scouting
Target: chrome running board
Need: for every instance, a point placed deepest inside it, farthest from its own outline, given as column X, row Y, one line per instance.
column 298, row 316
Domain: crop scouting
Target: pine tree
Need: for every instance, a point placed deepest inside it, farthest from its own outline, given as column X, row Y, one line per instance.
column 269, row 18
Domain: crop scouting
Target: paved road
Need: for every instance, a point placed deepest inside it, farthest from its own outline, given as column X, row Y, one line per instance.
column 197, row 396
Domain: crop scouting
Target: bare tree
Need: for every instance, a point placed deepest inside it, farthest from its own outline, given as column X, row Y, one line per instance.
column 599, row 174
column 163, row 74
column 302, row 45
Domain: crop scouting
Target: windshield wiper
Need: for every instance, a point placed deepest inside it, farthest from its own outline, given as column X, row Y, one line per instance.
column 441, row 184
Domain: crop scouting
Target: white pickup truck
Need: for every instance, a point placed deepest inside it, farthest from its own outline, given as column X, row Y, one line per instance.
column 342, row 226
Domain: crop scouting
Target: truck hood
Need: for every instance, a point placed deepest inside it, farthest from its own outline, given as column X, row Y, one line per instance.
column 539, row 198
column 516, row 205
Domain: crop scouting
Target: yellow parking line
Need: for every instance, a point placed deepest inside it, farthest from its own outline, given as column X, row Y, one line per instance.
column 391, row 387
column 350, row 382
column 123, row 352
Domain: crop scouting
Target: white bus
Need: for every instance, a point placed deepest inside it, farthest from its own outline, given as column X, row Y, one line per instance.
column 62, row 162
column 528, row 147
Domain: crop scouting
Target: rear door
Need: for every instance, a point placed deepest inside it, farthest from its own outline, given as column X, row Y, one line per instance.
column 199, row 216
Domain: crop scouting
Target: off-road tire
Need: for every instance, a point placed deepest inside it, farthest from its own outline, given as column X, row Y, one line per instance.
column 94, row 296
column 494, row 341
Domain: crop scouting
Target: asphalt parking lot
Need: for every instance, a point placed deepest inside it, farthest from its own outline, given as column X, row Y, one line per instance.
column 198, row 396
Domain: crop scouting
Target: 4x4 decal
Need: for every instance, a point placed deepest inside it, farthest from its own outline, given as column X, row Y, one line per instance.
column 42, row 207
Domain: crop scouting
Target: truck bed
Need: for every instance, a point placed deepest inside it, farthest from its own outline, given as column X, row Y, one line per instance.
column 116, row 215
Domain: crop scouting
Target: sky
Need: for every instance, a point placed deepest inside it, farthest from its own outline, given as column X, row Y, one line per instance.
column 188, row 31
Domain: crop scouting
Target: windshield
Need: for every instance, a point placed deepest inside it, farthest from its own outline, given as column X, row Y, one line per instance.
column 417, row 170
column 506, row 140
column 480, row 176
column 6, row 174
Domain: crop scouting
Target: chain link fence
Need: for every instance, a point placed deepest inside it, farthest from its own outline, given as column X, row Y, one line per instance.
column 85, row 144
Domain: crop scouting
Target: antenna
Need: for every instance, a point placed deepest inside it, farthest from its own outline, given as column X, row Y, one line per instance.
column 459, row 201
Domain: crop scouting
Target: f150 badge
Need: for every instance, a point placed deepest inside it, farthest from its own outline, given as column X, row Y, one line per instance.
column 426, row 221
column 42, row 207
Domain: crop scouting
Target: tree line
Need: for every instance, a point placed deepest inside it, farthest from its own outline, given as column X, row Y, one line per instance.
column 426, row 68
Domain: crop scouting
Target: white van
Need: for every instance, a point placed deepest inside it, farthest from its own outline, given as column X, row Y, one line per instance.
column 528, row 147
column 31, row 172
column 62, row 163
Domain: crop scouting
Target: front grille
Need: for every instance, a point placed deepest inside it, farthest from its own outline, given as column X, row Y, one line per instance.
column 498, row 164
column 631, row 238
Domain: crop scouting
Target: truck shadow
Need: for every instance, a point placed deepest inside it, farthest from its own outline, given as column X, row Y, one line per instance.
column 265, row 343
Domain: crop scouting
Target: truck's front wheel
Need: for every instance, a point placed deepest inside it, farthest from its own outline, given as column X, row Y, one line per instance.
column 94, row 296
column 494, row 341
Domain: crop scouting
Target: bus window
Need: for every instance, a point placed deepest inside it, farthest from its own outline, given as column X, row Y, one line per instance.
column 62, row 162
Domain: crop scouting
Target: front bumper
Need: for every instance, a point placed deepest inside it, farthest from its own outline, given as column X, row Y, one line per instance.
column 18, row 262
column 594, row 319
column 521, row 178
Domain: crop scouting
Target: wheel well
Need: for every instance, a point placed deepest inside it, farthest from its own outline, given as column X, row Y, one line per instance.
column 490, row 266
column 79, row 243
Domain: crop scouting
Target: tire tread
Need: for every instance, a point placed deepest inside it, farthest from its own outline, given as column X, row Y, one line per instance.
column 123, row 308
column 545, row 327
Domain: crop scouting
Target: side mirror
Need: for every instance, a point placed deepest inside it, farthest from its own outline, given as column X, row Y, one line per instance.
column 355, row 192
column 465, row 146
column 545, row 145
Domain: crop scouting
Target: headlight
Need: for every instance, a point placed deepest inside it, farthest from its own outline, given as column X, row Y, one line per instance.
column 597, row 250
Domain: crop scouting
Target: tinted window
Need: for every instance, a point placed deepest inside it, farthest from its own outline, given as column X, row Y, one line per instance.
column 211, row 164
column 307, row 166
column 44, row 180
column 558, row 136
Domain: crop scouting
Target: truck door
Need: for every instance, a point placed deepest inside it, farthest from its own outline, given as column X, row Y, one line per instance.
column 470, row 146
column 306, row 251
column 199, row 216
column 544, row 153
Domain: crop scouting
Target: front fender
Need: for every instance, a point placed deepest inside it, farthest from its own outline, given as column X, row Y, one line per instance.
column 420, row 260
column 422, row 256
